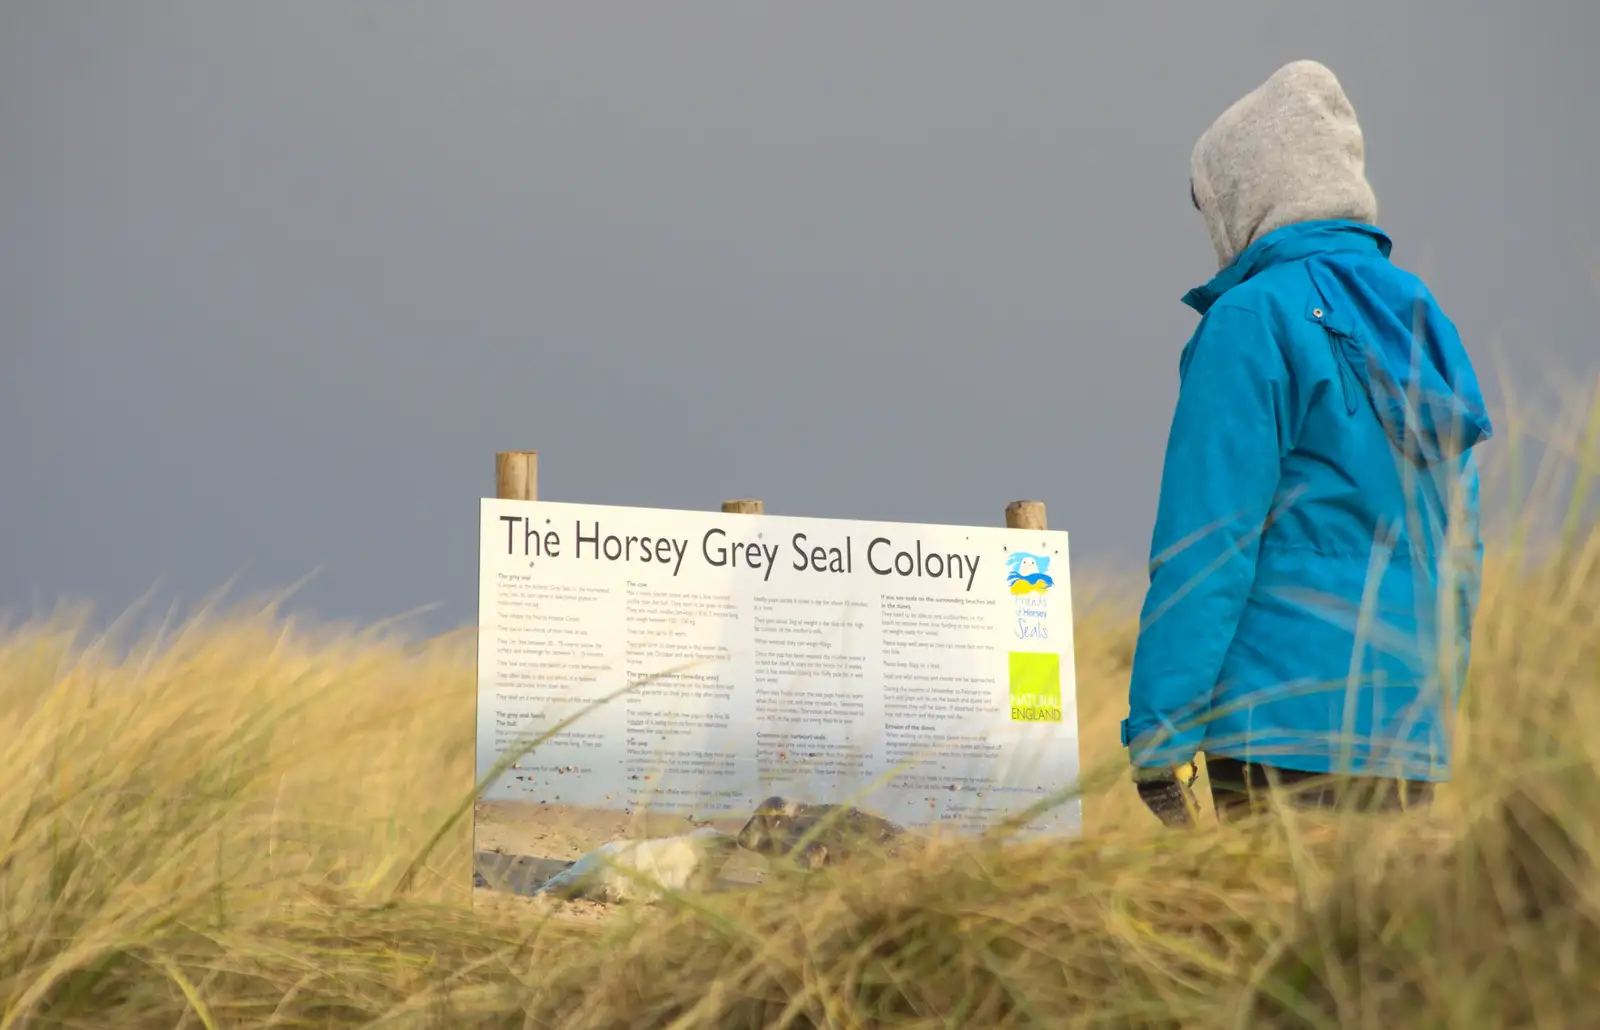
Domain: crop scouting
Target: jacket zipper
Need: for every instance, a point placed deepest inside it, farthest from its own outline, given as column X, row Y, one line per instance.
column 1347, row 374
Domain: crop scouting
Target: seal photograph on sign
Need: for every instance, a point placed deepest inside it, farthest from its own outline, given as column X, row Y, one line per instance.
column 779, row 826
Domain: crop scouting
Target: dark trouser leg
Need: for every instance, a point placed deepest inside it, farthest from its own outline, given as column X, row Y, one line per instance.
column 1240, row 789
column 1388, row 795
column 1230, row 794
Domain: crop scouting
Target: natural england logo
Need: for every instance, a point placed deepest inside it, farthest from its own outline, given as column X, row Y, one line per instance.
column 1035, row 681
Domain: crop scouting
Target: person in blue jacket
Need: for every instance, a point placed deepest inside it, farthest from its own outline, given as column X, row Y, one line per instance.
column 1314, row 567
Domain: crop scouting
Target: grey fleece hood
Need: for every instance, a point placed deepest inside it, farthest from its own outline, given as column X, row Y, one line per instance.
column 1288, row 151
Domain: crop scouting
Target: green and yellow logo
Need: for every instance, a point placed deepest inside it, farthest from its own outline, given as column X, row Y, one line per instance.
column 1035, row 687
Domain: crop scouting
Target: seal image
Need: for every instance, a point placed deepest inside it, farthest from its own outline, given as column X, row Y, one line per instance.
column 780, row 824
column 613, row 872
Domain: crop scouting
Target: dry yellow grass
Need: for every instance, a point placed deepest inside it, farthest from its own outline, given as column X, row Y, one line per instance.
column 212, row 829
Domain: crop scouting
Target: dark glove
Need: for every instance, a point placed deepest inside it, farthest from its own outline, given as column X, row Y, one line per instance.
column 1166, row 792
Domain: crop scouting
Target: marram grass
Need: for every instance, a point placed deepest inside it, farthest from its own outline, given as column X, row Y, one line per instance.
column 215, row 829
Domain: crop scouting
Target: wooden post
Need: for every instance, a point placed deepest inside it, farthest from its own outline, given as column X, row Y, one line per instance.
column 516, row 475
column 1025, row 515
column 747, row 506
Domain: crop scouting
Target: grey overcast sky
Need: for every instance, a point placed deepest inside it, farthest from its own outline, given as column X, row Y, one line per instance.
column 278, row 279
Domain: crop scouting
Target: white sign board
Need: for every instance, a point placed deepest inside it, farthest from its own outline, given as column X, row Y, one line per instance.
column 803, row 657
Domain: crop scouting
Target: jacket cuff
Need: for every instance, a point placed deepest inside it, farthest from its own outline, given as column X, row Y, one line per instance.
column 1167, row 755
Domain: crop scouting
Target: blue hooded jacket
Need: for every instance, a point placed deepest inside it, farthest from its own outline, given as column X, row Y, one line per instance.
column 1314, row 568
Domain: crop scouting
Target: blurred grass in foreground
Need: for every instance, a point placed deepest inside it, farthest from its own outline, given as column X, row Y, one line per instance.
column 210, row 829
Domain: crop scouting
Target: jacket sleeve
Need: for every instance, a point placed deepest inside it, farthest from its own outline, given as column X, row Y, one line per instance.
column 1224, row 454
column 1469, row 566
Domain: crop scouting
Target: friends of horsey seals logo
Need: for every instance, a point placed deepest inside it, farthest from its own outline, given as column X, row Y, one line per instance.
column 1028, row 581
column 1028, row 573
